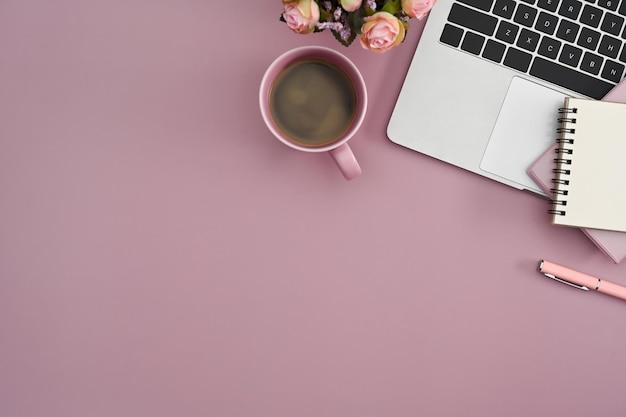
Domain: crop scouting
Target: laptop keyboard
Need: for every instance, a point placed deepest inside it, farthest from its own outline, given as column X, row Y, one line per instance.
column 575, row 44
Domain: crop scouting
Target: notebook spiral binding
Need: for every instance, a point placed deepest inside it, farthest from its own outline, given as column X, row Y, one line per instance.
column 563, row 160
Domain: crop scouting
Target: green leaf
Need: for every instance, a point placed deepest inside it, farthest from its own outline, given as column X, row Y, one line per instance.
column 393, row 7
column 355, row 20
column 324, row 15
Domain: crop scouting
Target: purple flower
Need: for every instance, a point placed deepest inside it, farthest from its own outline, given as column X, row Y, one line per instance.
column 336, row 26
column 345, row 33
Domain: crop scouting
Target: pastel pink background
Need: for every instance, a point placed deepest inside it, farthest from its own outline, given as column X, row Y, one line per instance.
column 162, row 254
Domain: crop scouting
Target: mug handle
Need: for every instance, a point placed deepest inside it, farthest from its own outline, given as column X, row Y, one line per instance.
column 346, row 161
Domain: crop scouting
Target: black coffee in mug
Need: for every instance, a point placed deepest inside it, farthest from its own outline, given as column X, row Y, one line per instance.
column 313, row 102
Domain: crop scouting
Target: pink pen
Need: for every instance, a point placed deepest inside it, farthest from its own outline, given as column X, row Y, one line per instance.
column 580, row 280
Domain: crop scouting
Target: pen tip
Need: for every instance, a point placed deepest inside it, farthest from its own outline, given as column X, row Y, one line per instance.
column 540, row 265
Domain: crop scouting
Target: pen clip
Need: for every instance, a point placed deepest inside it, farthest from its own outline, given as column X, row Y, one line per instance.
column 561, row 280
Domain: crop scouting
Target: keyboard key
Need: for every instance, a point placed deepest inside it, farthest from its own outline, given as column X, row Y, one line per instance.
column 472, row 19
column 609, row 46
column 612, row 23
column 570, row 8
column 591, row 16
column 507, row 32
column 546, row 23
column 569, row 78
column 451, row 35
column 591, row 63
column 550, row 5
column 528, row 40
column 494, row 51
column 504, row 8
column 567, row 30
column 549, row 47
column 479, row 4
column 546, row 46
column 525, row 15
column 517, row 59
column 622, row 8
column 612, row 71
column 588, row 38
column 608, row 4
column 473, row 43
column 570, row 55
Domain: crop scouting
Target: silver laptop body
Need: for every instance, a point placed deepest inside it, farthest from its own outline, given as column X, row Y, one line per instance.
column 468, row 99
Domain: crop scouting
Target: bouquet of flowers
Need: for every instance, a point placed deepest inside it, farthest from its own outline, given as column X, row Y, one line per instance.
column 379, row 24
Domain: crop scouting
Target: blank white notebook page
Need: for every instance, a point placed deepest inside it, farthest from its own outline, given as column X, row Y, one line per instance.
column 591, row 178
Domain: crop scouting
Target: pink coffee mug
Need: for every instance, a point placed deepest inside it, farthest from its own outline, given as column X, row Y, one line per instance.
column 338, row 149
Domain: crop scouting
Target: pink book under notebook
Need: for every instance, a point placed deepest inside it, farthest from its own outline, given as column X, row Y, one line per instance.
column 613, row 244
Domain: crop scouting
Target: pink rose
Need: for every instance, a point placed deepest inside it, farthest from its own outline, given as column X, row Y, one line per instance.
column 381, row 32
column 301, row 15
column 351, row 5
column 417, row 8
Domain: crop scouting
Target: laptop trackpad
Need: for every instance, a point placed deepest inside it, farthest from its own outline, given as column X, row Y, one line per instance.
column 525, row 128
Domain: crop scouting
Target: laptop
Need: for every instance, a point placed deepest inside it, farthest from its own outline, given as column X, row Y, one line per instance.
column 488, row 76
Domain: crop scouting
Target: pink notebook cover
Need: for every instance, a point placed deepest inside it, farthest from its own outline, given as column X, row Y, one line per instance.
column 613, row 244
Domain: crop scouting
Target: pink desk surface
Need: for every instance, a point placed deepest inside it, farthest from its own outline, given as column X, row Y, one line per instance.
column 161, row 254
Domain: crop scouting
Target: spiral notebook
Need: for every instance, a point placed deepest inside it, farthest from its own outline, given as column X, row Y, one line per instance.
column 612, row 244
column 591, row 166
